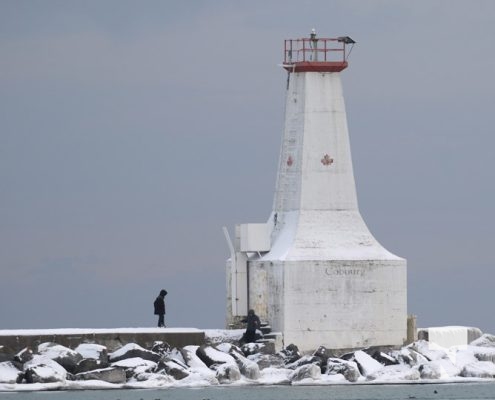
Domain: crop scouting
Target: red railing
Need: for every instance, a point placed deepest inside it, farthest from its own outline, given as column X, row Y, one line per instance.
column 316, row 50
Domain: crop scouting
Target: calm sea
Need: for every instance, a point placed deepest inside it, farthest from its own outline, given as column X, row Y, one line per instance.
column 336, row 392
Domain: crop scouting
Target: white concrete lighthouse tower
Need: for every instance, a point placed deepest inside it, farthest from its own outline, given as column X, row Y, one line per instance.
column 314, row 271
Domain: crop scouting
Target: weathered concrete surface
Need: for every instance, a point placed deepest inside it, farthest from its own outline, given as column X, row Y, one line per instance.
column 15, row 340
column 326, row 280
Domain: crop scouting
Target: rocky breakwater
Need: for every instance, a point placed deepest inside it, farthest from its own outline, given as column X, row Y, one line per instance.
column 53, row 366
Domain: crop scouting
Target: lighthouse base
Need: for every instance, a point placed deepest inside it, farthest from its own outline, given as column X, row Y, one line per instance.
column 338, row 304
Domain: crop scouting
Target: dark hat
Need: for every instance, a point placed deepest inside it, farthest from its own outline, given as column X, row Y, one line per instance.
column 163, row 292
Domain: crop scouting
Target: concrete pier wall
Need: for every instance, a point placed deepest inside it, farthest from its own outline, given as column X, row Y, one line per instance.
column 16, row 340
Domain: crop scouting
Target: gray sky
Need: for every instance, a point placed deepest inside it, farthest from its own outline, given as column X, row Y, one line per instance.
column 132, row 131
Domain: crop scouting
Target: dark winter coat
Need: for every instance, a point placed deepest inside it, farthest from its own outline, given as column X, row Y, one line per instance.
column 159, row 305
column 253, row 322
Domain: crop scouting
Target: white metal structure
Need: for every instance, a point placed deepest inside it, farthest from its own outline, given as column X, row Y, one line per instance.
column 325, row 279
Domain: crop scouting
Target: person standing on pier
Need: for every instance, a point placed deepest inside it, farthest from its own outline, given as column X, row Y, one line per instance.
column 160, row 308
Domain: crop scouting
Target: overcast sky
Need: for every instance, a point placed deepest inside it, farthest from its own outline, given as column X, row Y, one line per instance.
column 132, row 131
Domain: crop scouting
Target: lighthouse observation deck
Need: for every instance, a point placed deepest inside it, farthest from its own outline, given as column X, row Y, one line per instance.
column 315, row 54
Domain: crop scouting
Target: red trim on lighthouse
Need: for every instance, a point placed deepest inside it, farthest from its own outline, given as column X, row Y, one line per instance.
column 308, row 66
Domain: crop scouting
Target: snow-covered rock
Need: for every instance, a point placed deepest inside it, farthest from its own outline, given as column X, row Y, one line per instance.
column 275, row 376
column 348, row 369
column 24, row 355
column 367, row 364
column 210, row 356
column 191, row 359
column 132, row 350
column 66, row 357
column 486, row 340
column 110, row 375
column 290, row 353
column 226, row 372
column 129, row 365
column 385, row 358
column 308, row 359
column 90, row 364
column 306, row 372
column 439, row 369
column 267, row 360
column 93, row 351
column 429, row 350
column 248, row 368
column 41, row 369
column 254, row 348
column 173, row 368
column 9, row 373
column 160, row 347
column 480, row 369
column 395, row 373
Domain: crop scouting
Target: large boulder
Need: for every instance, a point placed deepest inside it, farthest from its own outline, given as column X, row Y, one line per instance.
column 191, row 359
column 480, row 369
column 349, row 369
column 275, row 376
column 324, row 354
column 132, row 350
column 308, row 359
column 438, row 369
column 290, row 353
column 130, row 365
column 430, row 351
column 9, row 373
column 111, row 375
column 66, row 357
column 267, row 360
column 395, row 372
column 367, row 364
column 173, row 368
column 255, row 348
column 486, row 340
column 226, row 373
column 162, row 348
column 41, row 369
column 210, row 356
column 306, row 371
column 90, row 364
column 385, row 358
column 94, row 352
column 248, row 368
column 25, row 355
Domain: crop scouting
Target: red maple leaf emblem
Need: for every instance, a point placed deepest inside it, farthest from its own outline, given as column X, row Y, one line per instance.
column 327, row 160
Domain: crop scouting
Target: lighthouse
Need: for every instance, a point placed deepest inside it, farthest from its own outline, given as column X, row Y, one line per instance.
column 314, row 271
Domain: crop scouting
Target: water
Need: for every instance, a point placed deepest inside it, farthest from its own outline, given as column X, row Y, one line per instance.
column 334, row 392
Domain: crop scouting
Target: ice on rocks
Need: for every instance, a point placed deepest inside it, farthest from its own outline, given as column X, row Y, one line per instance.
column 110, row 375
column 439, row 369
column 431, row 351
column 227, row 373
column 275, row 376
column 209, row 355
column 395, row 373
column 367, row 364
column 131, row 350
column 486, row 340
column 92, row 351
column 480, row 369
column 134, row 363
column 66, row 357
column 9, row 373
column 41, row 369
column 348, row 369
column 306, row 372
